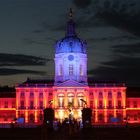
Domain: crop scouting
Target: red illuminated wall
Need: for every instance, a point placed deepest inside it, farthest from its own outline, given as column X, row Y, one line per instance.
column 106, row 102
column 7, row 110
column 133, row 110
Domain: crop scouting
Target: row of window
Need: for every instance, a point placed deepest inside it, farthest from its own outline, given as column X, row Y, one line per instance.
column 134, row 104
column 100, row 95
column 8, row 104
column 32, row 117
column 32, row 94
column 110, row 117
column 100, row 105
column 71, row 70
column 22, row 105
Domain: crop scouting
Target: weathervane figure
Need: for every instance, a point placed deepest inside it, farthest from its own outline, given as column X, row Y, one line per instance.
column 70, row 13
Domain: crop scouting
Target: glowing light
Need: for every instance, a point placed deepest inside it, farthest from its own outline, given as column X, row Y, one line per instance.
column 7, row 109
column 26, row 116
column 61, row 114
column 132, row 108
column 36, row 116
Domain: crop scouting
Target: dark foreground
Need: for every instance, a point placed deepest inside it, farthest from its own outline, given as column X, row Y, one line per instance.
column 66, row 134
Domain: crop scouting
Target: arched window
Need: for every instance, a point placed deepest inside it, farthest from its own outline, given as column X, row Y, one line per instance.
column 71, row 98
column 100, row 95
column 71, row 69
column 101, row 118
column 81, row 70
column 119, row 94
column 60, row 70
column 31, row 117
column 81, row 100
column 61, row 100
column 109, row 94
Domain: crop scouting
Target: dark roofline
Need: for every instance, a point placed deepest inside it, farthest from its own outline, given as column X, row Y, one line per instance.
column 132, row 92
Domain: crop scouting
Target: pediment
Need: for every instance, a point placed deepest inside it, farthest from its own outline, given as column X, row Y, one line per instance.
column 71, row 83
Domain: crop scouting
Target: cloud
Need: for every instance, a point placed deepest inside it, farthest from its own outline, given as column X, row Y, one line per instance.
column 120, row 15
column 38, row 31
column 21, row 60
column 82, row 3
column 112, row 38
column 124, row 15
column 128, row 49
column 123, row 67
column 8, row 71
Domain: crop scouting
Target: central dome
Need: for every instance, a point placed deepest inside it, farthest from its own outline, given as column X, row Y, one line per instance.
column 70, row 44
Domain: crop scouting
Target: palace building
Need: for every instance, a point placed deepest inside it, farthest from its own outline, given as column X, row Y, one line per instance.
column 109, row 102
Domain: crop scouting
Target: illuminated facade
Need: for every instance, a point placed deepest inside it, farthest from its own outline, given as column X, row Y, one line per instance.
column 70, row 91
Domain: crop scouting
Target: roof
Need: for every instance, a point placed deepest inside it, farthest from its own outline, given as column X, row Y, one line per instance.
column 103, row 83
column 37, row 83
column 133, row 92
column 7, row 92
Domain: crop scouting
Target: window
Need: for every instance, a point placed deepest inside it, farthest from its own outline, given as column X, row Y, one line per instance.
column 40, row 95
column 31, row 104
column 119, row 94
column 80, row 102
column 119, row 104
column 32, row 94
column 22, row 94
column 70, row 69
column 91, row 104
column 13, row 104
column 41, row 104
column 101, row 117
column 22, row 104
column 91, row 93
column 135, row 104
column 60, row 70
column 71, row 100
column 110, row 104
column 6, row 104
column 81, row 70
column 40, row 116
column 128, row 104
column 31, row 117
column 135, row 117
column 61, row 102
column 109, row 94
column 100, row 104
column 100, row 95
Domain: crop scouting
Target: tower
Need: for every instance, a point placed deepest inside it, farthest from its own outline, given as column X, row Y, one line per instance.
column 70, row 56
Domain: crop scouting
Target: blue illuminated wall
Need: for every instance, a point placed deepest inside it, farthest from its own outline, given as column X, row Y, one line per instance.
column 70, row 57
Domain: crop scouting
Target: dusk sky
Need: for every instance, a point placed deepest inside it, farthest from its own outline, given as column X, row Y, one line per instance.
column 29, row 30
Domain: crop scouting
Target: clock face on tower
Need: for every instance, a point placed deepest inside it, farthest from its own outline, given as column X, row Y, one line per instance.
column 70, row 57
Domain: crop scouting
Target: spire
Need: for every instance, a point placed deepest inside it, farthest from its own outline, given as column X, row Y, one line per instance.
column 71, row 25
column 70, row 13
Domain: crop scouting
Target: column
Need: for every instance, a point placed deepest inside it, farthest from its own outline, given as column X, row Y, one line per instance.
column 26, row 116
column 36, row 118
column 26, row 105
column 17, row 101
column 96, row 107
column 65, row 99
column 55, row 99
column 114, row 102
column 75, row 99
column 124, row 102
column 45, row 98
column 27, row 98
column 87, row 97
column 105, row 105
column 36, row 98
